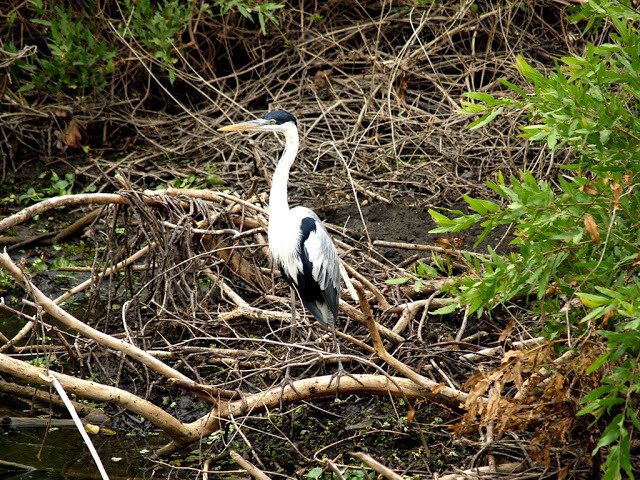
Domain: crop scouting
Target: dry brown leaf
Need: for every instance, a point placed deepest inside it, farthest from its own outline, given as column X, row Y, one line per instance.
column 438, row 388
column 494, row 403
column 512, row 355
column 73, row 134
column 403, row 88
column 592, row 228
column 562, row 474
column 516, row 374
column 410, row 414
column 507, row 331
column 443, row 243
column 559, row 385
column 589, row 188
column 617, row 192
column 547, row 455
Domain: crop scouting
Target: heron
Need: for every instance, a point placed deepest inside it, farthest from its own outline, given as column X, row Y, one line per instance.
column 298, row 240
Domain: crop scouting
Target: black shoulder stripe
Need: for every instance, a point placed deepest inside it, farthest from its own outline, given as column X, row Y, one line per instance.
column 307, row 225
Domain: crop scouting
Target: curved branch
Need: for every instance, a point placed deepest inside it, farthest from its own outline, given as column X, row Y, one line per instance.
column 64, row 200
column 103, row 393
column 70, row 321
column 316, row 387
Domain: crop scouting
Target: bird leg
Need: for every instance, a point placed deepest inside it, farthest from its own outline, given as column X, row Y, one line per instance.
column 292, row 335
column 341, row 371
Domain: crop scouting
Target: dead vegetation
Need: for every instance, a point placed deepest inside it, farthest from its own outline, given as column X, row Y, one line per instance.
column 180, row 301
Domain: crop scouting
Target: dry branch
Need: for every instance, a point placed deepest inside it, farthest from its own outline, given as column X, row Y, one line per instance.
column 71, row 322
column 398, row 365
column 427, row 248
column 98, row 392
column 386, row 472
column 251, row 469
column 65, row 200
column 31, row 393
column 317, row 387
column 481, row 472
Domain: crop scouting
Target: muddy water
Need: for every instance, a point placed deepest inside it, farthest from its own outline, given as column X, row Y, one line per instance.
column 60, row 454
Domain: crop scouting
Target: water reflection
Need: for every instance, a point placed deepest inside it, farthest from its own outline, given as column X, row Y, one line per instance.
column 61, row 454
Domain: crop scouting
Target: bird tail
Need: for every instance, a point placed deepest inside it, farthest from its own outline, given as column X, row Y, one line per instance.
column 320, row 311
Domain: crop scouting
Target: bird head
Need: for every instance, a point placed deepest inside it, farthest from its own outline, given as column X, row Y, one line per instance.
column 276, row 121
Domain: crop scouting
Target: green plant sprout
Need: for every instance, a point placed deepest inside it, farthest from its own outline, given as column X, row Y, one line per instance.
column 265, row 11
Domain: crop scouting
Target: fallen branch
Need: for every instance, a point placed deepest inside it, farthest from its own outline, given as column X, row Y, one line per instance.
column 310, row 388
column 386, row 472
column 427, row 248
column 30, row 393
column 97, row 391
column 513, row 467
column 397, row 364
column 71, row 322
column 64, row 200
column 251, row 469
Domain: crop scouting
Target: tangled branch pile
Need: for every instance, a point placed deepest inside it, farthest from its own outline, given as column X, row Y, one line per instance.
column 381, row 83
column 180, row 285
column 184, row 291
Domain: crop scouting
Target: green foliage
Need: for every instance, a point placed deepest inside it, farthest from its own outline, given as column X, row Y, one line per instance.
column 421, row 272
column 57, row 187
column 78, row 58
column 314, row 473
column 579, row 240
column 6, row 282
column 158, row 27
column 187, row 182
column 265, row 11
column 71, row 46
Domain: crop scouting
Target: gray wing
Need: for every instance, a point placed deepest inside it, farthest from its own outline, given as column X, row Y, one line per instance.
column 323, row 256
column 321, row 259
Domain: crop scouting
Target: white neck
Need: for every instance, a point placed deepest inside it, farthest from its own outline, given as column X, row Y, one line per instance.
column 278, row 204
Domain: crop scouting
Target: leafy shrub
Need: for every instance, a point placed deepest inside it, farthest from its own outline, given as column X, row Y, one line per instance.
column 78, row 57
column 265, row 11
column 578, row 242
column 157, row 26
column 77, row 48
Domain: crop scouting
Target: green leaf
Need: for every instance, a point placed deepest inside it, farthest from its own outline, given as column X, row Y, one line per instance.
column 453, row 224
column 425, row 270
column 314, row 473
column 634, row 418
column 480, row 96
column 397, row 281
column 513, row 87
column 446, row 309
column 481, row 206
column 610, row 434
column 591, row 300
column 486, row 118
column 598, row 363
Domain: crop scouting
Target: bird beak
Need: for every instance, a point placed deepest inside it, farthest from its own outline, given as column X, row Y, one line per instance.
column 250, row 125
